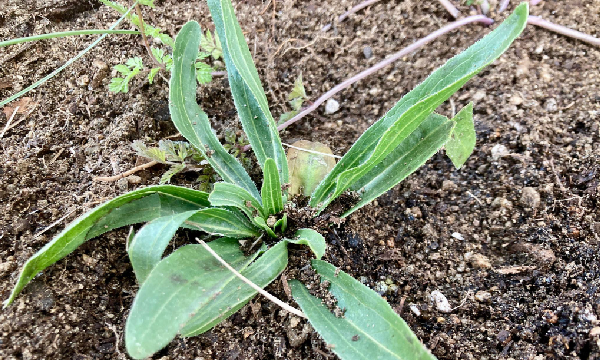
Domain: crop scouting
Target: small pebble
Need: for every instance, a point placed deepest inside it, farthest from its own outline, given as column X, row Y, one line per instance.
column 331, row 106
column 134, row 179
column 550, row 105
column 122, row 184
column 440, row 301
column 415, row 309
column 483, row 296
column 499, row 151
column 381, row 287
column 530, row 198
column 368, row 52
column 478, row 260
column 595, row 331
column 480, row 94
column 458, row 236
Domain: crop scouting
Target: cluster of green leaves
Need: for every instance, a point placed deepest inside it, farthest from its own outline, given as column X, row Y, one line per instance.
column 296, row 99
column 189, row 292
column 210, row 47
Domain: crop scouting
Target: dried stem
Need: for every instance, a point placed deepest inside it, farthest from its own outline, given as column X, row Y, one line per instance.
column 126, row 173
column 407, row 50
column 143, row 32
column 355, row 9
column 559, row 29
column 504, row 5
column 250, row 283
column 9, row 121
column 450, row 8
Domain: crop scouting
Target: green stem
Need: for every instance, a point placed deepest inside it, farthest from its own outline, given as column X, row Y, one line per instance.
column 72, row 60
column 64, row 34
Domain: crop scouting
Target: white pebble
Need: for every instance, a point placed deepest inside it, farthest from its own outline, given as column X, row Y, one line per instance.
column 331, row 106
column 458, row 236
column 499, row 151
column 441, row 303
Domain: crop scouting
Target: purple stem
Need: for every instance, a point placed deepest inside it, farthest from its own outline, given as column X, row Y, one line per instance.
column 504, row 5
column 559, row 29
column 450, row 8
column 407, row 50
column 534, row 2
column 358, row 7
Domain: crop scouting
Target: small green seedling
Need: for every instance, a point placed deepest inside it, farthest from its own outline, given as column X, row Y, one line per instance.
column 189, row 291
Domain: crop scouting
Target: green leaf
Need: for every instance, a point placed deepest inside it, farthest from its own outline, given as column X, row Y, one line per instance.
column 149, row 3
column 271, row 189
column 203, row 73
column 236, row 293
column 260, row 222
column 134, row 207
column 314, row 240
column 224, row 222
column 135, row 62
column 412, row 152
column 190, row 120
column 158, row 54
column 152, row 74
column 123, row 69
column 298, row 91
column 176, row 289
column 462, row 140
column 148, row 245
column 406, row 116
column 152, row 153
column 248, row 94
column 369, row 329
column 117, row 85
column 149, row 30
column 225, row 194
column 281, row 224
column 173, row 170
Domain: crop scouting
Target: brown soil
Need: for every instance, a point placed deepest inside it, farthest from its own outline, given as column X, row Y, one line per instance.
column 510, row 240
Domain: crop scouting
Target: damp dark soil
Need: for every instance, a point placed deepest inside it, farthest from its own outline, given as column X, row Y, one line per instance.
column 511, row 239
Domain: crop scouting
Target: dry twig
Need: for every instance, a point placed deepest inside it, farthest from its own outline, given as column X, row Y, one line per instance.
column 126, row 173
column 251, row 284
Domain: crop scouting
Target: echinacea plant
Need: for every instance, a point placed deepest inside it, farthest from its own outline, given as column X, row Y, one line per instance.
column 190, row 291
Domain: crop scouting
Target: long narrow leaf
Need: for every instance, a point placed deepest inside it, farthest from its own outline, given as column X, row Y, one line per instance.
column 369, row 329
column 134, row 207
column 247, row 91
column 419, row 146
column 189, row 118
column 236, row 293
column 406, row 116
column 147, row 246
column 225, row 222
column 271, row 189
column 176, row 289
column 225, row 194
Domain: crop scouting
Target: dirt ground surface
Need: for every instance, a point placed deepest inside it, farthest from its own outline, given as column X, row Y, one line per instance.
column 511, row 239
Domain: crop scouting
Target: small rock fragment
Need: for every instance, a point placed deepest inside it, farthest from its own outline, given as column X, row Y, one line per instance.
column 516, row 100
column 595, row 331
column 551, row 105
column 83, row 80
column 367, row 52
column 331, row 106
column 499, row 151
column 381, row 287
column 440, row 301
column 478, row 260
column 483, row 296
column 134, row 179
column 122, row 184
column 502, row 203
column 458, row 236
column 530, row 198
column 415, row 309
column 480, row 94
column 503, row 337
